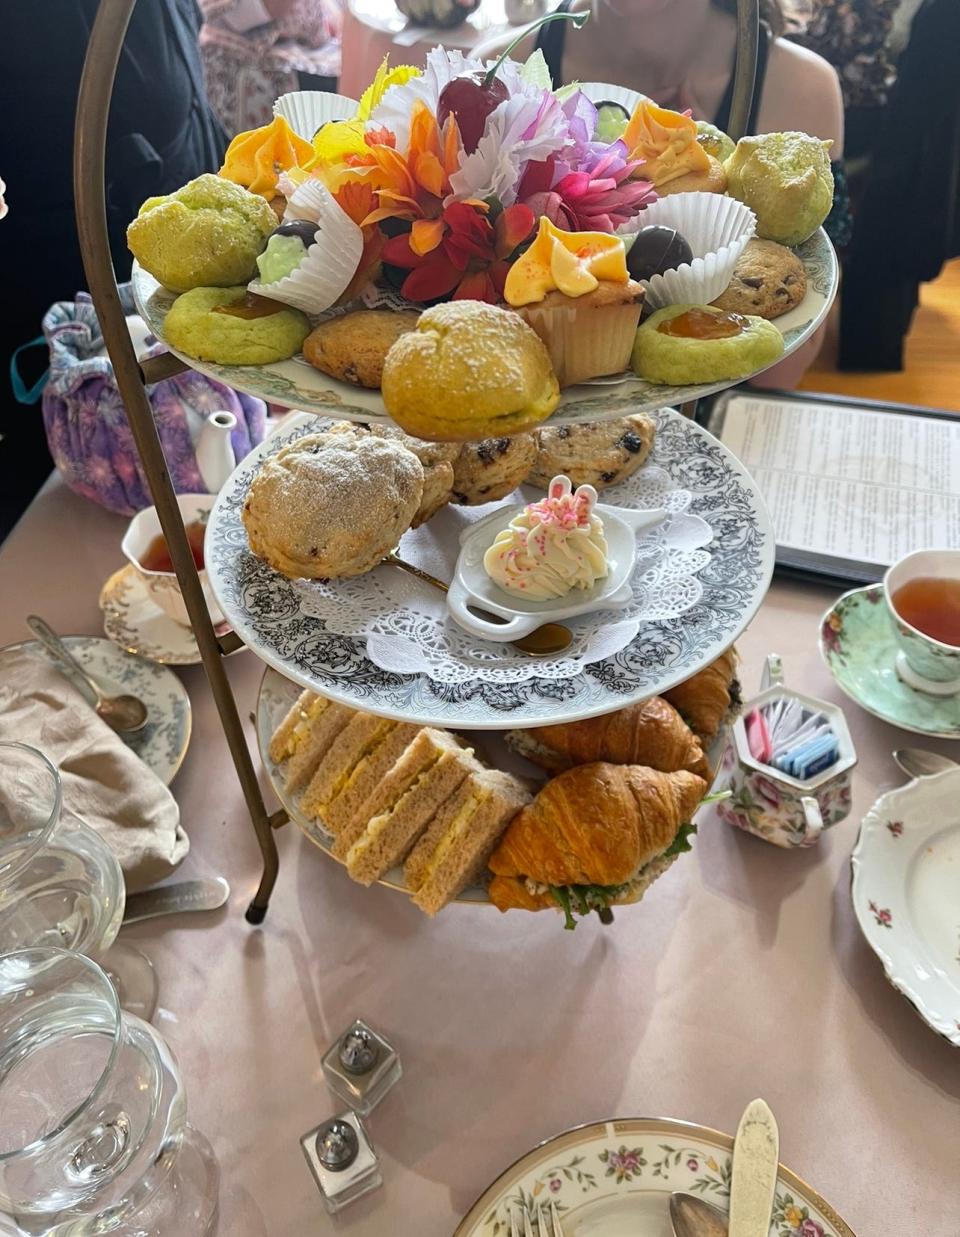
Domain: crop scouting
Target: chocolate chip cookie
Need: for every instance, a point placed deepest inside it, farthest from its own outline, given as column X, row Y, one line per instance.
column 768, row 280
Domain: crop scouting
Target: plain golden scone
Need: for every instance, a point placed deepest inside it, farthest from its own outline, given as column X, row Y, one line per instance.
column 601, row 454
column 490, row 470
column 469, row 371
column 436, row 457
column 332, row 505
column 353, row 347
column 768, row 280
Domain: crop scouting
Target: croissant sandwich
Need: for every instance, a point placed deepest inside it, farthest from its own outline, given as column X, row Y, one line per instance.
column 707, row 699
column 594, row 836
column 650, row 733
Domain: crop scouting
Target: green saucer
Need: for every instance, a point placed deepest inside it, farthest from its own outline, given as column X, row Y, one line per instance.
column 857, row 643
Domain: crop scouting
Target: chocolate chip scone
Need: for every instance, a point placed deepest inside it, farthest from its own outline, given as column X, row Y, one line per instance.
column 768, row 280
column 353, row 347
column 436, row 457
column 486, row 471
column 601, row 454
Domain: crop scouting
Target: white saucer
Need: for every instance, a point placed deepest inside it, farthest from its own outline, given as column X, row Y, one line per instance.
column 137, row 624
column 472, row 587
column 162, row 743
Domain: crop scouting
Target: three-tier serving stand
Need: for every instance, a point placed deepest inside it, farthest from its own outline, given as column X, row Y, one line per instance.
column 133, row 376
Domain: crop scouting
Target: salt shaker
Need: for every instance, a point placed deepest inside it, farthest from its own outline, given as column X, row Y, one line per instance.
column 342, row 1160
column 361, row 1067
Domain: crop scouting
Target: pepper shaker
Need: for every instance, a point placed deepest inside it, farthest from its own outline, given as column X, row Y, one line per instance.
column 361, row 1067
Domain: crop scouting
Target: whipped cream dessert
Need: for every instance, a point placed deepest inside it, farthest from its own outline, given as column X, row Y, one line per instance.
column 552, row 547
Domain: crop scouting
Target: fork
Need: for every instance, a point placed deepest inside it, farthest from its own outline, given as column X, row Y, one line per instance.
column 546, row 1226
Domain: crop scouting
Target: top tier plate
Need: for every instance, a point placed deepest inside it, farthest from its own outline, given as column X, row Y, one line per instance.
column 296, row 384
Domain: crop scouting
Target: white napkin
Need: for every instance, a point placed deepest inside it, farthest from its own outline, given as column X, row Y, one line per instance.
column 104, row 782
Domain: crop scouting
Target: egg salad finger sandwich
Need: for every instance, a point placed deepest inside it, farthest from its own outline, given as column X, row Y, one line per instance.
column 304, row 736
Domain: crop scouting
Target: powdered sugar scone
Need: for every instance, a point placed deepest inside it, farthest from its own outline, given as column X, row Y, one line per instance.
column 436, row 457
column 332, row 505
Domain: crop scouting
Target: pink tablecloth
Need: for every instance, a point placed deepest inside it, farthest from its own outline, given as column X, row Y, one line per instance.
column 742, row 973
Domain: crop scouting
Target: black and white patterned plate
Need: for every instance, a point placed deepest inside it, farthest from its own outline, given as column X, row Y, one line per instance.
column 264, row 607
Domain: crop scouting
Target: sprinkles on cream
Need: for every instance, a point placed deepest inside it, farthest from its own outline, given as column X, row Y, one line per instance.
column 552, row 547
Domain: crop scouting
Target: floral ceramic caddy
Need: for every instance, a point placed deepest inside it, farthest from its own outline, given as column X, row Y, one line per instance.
column 906, row 894
column 615, row 1178
column 784, row 810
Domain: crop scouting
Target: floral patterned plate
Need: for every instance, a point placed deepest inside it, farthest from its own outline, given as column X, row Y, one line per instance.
column 297, row 384
column 858, row 644
column 906, row 894
column 162, row 743
column 615, row 1178
column 265, row 608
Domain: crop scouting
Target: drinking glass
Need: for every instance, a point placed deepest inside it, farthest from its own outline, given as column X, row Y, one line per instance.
column 94, row 1137
column 60, row 884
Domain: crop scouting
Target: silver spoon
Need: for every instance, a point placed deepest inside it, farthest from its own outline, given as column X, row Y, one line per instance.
column 124, row 714
column 916, row 762
column 546, row 641
column 693, row 1217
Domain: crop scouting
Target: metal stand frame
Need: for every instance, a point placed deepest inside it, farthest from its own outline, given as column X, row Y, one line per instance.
column 90, row 135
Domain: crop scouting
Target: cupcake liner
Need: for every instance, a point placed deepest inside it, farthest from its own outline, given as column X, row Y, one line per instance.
column 306, row 110
column 330, row 262
column 606, row 92
column 585, row 346
column 717, row 229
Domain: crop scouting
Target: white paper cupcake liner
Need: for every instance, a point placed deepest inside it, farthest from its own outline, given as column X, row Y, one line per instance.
column 306, row 110
column 716, row 228
column 330, row 262
column 606, row 92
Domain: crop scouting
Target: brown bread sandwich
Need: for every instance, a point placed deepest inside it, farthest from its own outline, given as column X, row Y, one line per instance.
column 595, row 836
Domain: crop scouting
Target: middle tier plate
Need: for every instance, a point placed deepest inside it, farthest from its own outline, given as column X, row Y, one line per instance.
column 266, row 608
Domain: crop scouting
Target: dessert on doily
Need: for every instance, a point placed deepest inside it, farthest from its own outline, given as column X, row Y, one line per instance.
column 549, row 223
column 616, row 809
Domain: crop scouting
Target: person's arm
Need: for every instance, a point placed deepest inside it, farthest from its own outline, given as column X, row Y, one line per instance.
column 801, row 91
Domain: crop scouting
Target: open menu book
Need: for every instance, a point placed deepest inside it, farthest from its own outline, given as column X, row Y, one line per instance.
column 851, row 485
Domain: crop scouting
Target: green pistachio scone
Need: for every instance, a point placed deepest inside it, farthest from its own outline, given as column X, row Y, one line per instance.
column 194, row 326
column 674, row 345
column 206, row 234
column 786, row 180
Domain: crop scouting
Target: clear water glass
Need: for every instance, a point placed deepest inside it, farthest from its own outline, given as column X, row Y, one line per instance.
column 60, row 884
column 94, row 1137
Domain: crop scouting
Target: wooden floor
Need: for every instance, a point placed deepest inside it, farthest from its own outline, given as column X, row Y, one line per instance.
column 932, row 373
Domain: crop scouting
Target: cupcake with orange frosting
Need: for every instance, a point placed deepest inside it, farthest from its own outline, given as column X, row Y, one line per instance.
column 674, row 160
column 256, row 159
column 573, row 288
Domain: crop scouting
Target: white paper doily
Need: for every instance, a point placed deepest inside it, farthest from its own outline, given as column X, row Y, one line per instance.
column 407, row 629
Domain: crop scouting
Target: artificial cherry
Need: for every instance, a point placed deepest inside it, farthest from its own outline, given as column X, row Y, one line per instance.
column 470, row 99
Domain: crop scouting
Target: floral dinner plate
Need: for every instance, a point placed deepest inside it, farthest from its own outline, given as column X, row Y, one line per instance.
column 906, row 894
column 162, row 743
column 615, row 1178
column 297, row 384
column 858, row 645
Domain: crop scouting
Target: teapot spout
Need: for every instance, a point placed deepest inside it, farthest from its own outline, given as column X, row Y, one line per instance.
column 215, row 458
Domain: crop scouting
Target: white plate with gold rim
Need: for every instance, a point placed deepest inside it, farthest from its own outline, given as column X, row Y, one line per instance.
column 297, row 384
column 614, row 1179
column 906, row 894
column 134, row 621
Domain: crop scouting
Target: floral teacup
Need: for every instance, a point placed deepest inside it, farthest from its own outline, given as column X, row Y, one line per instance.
column 784, row 810
column 924, row 663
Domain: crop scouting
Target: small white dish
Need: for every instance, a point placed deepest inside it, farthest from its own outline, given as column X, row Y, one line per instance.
column 163, row 586
column 906, row 894
column 472, row 588
column 133, row 620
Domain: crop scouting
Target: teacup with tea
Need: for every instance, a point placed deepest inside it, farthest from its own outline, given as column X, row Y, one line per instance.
column 145, row 547
column 922, row 593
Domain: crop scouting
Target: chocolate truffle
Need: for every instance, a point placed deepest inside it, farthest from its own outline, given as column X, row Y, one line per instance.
column 656, row 249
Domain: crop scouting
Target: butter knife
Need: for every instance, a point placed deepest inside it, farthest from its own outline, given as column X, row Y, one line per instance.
column 756, row 1153
column 179, row 898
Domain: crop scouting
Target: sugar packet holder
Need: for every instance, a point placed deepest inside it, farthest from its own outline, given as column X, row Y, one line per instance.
column 788, row 765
